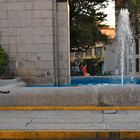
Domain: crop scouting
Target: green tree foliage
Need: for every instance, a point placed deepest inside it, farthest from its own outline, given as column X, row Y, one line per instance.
column 85, row 22
column 134, row 8
column 3, row 61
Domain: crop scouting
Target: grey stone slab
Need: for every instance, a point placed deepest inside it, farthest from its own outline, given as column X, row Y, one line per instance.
column 67, row 126
column 17, row 114
column 122, row 112
column 9, row 120
column 123, row 126
column 68, row 114
column 12, row 126
column 129, row 112
column 121, row 118
column 134, row 112
column 68, row 120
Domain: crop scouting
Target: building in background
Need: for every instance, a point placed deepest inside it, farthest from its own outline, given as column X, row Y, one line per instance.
column 96, row 54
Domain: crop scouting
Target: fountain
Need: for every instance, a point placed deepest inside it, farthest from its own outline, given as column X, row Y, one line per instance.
column 85, row 91
column 126, row 45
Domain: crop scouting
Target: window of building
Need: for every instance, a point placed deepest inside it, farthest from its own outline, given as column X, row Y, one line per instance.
column 88, row 52
column 137, row 64
column 130, row 65
column 137, row 46
column 98, row 52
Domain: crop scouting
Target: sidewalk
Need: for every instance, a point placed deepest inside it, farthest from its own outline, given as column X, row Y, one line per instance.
column 69, row 124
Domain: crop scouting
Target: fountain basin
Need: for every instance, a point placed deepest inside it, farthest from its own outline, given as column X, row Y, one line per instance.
column 85, row 95
column 94, row 80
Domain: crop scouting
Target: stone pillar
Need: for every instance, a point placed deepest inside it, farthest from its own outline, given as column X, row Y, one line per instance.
column 63, row 40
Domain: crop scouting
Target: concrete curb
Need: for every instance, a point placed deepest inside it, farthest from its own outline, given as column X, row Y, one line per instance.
column 70, row 134
column 68, row 108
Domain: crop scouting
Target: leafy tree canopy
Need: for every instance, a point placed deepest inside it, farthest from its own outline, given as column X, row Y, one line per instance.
column 85, row 20
column 134, row 8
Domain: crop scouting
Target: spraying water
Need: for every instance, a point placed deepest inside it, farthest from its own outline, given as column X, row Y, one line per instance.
column 127, row 45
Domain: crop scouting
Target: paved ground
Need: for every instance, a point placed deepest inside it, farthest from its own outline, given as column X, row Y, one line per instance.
column 69, row 120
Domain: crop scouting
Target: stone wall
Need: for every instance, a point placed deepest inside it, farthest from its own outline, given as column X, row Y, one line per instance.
column 28, row 30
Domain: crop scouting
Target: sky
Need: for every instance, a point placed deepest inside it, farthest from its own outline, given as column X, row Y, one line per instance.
column 110, row 10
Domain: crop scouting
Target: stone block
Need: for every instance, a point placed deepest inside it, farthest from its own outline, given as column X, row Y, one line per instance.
column 39, row 72
column 28, row 23
column 22, row 57
column 29, row 14
column 62, row 7
column 29, row 5
column 12, row 23
column 43, row 31
column 62, row 31
column 39, row 56
column 4, row 7
column 63, row 64
column 21, row 49
column 21, row 22
column 16, row 6
column 67, row 126
column 62, row 23
column 63, row 44
column 13, row 126
column 44, row 65
column 12, row 31
column 63, row 56
column 45, row 56
column 3, row 1
column 123, row 95
column 26, row 31
column 5, row 47
column 63, row 72
column 62, row 15
column 20, row 41
column 12, row 48
column 45, row 47
column 43, row 39
column 12, row 56
column 12, row 64
column 43, row 14
column 43, row 5
column 24, row 71
column 3, row 23
column 12, row 15
column 4, row 40
column 4, row 31
column 70, row 96
column 12, row 40
column 42, row 22
column 20, row 15
column 12, row 0
column 29, row 39
column 3, row 15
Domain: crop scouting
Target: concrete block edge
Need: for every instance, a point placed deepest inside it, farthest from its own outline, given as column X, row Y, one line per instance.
column 70, row 108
